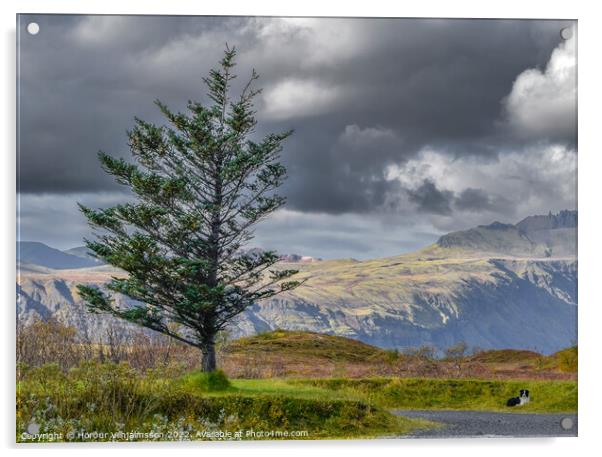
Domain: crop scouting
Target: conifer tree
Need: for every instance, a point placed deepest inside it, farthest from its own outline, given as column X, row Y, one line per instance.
column 200, row 184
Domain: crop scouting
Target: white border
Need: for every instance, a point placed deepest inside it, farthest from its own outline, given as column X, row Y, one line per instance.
column 590, row 233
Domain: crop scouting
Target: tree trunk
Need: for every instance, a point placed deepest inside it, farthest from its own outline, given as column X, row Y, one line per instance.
column 208, row 363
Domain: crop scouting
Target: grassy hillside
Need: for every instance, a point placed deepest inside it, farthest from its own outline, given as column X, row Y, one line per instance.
column 564, row 361
column 506, row 356
column 307, row 345
column 282, row 353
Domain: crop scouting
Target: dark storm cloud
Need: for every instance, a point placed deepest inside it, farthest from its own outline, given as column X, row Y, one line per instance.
column 433, row 82
column 82, row 81
column 429, row 199
column 475, row 200
column 364, row 97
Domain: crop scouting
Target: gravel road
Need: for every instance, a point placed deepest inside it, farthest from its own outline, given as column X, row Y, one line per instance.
column 480, row 424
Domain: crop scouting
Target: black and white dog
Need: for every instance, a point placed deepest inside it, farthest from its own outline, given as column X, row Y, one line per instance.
column 522, row 399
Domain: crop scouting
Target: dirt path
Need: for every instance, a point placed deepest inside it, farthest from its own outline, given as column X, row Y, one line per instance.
column 480, row 424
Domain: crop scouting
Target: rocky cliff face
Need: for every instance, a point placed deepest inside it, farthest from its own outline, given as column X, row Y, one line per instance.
column 54, row 296
column 565, row 219
column 481, row 292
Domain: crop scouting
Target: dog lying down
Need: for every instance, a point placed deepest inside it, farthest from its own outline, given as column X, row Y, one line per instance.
column 522, row 399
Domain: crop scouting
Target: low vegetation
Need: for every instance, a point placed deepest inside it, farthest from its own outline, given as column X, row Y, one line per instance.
column 301, row 354
column 118, row 403
column 285, row 354
column 567, row 359
column 275, row 385
column 103, row 402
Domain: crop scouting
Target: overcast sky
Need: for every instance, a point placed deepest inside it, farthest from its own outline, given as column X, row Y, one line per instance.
column 404, row 129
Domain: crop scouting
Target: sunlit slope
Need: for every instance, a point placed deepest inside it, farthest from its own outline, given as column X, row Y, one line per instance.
column 393, row 302
column 425, row 298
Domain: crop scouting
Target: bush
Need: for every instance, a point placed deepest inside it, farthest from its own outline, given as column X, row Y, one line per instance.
column 567, row 359
column 42, row 343
column 216, row 381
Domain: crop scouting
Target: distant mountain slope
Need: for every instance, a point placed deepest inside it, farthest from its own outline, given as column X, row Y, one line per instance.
column 397, row 302
column 557, row 232
column 479, row 287
column 565, row 219
column 554, row 235
column 291, row 258
column 308, row 354
column 496, row 237
column 408, row 301
column 25, row 267
column 33, row 252
column 84, row 253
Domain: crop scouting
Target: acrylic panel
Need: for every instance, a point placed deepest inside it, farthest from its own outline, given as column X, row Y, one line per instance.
column 265, row 228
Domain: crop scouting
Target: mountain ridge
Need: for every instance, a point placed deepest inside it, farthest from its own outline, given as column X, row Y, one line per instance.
column 564, row 219
column 551, row 235
column 437, row 296
column 37, row 253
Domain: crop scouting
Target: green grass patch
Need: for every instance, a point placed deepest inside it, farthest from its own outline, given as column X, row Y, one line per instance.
column 460, row 394
column 390, row 393
column 291, row 388
column 216, row 381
